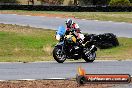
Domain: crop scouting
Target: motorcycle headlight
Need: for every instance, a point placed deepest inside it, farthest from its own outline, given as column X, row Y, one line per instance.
column 58, row 37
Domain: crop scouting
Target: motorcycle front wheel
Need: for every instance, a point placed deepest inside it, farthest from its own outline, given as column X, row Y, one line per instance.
column 58, row 55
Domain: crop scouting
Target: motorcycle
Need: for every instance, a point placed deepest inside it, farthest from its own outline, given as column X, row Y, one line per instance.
column 69, row 47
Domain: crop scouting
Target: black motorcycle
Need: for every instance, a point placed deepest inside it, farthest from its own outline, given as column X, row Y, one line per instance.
column 69, row 47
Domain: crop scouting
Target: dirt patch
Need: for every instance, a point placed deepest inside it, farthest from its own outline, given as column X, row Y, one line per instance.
column 50, row 84
column 39, row 14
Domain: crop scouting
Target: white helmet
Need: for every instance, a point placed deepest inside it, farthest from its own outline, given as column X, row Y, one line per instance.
column 69, row 22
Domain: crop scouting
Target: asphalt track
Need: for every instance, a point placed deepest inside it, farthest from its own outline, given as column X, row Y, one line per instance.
column 120, row 29
column 46, row 70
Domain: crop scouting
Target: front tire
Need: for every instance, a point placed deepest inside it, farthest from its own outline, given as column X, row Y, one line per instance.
column 58, row 55
column 90, row 58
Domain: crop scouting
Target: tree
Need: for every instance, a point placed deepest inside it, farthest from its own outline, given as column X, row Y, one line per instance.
column 75, row 2
column 119, row 3
column 31, row 1
column 130, row 1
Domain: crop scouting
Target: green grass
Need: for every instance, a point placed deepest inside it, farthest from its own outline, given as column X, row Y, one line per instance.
column 124, row 51
column 18, row 43
column 26, row 44
column 104, row 16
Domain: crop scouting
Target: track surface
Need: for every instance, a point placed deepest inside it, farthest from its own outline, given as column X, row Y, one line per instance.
column 120, row 29
column 44, row 70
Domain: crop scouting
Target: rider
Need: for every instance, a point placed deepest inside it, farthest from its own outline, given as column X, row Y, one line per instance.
column 74, row 27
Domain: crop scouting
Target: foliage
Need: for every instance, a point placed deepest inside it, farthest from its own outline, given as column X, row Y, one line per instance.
column 119, row 3
column 130, row 1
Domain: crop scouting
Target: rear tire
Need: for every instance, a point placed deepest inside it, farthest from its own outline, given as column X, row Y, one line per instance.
column 90, row 58
column 58, row 55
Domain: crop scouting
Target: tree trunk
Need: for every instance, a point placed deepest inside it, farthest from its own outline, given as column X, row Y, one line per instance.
column 75, row 2
column 31, row 1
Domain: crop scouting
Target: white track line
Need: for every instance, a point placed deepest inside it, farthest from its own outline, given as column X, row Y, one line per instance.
column 83, row 19
column 27, row 79
column 28, row 15
column 35, row 79
column 96, row 20
column 110, row 21
column 57, row 17
column 2, row 80
column 55, row 79
column 41, row 16
column 14, row 14
column 123, row 22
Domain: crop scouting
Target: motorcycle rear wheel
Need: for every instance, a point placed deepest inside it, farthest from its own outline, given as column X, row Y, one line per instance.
column 58, row 55
column 90, row 58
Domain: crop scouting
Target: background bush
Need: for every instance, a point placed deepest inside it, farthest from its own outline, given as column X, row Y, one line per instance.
column 130, row 1
column 119, row 3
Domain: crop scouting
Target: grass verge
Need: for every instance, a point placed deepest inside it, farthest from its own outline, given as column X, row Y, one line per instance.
column 104, row 16
column 27, row 44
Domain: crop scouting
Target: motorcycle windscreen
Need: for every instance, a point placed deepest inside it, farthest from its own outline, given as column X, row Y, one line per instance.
column 61, row 31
